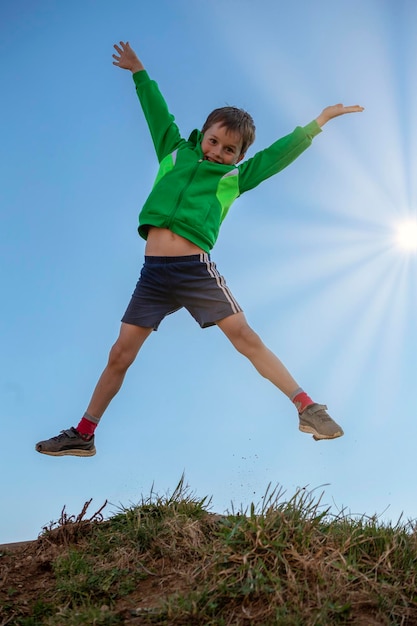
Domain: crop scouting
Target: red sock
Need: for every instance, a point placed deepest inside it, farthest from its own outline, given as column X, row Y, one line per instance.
column 301, row 400
column 87, row 426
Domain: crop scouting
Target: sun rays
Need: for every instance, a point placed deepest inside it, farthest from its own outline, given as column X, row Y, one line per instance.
column 349, row 234
column 406, row 236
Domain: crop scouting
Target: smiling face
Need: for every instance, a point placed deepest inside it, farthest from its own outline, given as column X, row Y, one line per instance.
column 221, row 145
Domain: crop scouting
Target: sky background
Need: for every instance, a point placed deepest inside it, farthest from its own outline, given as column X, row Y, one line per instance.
column 311, row 255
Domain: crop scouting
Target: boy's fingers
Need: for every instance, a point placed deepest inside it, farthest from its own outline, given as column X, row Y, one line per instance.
column 340, row 109
column 355, row 108
column 121, row 46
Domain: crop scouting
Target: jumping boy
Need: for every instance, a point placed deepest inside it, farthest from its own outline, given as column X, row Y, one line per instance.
column 197, row 181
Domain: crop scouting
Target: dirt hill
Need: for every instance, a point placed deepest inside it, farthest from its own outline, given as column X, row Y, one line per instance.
column 170, row 561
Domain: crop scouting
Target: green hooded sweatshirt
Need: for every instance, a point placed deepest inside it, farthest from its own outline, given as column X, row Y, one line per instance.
column 191, row 196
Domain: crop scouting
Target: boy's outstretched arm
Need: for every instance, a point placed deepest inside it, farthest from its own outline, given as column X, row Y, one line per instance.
column 126, row 58
column 335, row 110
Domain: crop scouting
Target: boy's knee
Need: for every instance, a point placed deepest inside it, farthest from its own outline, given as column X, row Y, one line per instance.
column 120, row 356
column 245, row 339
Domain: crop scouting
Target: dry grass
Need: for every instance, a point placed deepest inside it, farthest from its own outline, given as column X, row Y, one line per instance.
column 169, row 561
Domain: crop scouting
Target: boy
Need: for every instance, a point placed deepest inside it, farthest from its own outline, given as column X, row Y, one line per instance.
column 197, row 182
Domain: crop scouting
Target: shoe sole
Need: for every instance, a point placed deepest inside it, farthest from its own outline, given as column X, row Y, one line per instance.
column 318, row 436
column 69, row 452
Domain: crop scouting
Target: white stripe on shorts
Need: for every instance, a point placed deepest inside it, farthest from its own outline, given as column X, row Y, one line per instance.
column 214, row 273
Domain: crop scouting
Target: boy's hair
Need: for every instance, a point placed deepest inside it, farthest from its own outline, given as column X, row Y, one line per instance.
column 236, row 120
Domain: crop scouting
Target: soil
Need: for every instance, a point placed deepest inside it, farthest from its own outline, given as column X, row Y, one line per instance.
column 26, row 575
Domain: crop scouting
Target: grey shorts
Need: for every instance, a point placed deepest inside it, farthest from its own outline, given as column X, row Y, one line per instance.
column 167, row 284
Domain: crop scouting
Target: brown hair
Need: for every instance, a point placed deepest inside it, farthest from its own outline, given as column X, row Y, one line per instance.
column 236, row 120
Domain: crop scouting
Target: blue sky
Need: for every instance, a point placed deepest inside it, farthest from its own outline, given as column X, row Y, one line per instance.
column 311, row 255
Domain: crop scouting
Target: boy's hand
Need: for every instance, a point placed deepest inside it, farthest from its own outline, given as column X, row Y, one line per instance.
column 126, row 58
column 335, row 110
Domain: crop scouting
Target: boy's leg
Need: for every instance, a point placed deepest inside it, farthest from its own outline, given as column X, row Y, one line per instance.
column 121, row 357
column 248, row 343
column 79, row 441
column 313, row 417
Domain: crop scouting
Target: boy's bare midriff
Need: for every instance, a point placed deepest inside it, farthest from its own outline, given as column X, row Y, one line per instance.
column 163, row 242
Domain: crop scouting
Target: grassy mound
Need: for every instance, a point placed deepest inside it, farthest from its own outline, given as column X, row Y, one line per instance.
column 170, row 561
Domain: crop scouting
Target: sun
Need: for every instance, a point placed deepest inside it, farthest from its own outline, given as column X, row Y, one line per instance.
column 406, row 235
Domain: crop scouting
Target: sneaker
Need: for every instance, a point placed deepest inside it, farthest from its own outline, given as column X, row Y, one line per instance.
column 316, row 421
column 67, row 442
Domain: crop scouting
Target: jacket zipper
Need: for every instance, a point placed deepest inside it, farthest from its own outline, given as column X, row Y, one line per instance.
column 180, row 197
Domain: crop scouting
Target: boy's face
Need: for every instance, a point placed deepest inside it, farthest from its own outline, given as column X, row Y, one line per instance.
column 221, row 145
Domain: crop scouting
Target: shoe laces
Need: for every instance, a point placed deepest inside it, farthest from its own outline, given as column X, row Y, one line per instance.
column 63, row 435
